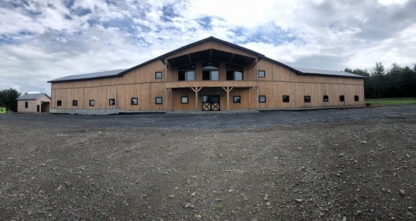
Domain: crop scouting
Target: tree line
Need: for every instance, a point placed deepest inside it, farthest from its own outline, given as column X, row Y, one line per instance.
column 397, row 82
column 8, row 99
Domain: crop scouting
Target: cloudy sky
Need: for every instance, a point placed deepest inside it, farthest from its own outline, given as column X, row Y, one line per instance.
column 41, row 40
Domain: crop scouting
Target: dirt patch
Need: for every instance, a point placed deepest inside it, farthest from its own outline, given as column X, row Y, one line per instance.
column 361, row 171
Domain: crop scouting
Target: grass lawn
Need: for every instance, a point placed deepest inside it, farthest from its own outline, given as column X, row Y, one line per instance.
column 391, row 101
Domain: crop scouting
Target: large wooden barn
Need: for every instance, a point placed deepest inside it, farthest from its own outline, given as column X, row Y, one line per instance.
column 208, row 75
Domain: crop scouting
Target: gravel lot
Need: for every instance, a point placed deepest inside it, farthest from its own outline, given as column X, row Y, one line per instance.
column 356, row 164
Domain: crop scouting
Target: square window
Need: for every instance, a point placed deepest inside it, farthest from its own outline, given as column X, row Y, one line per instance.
column 158, row 100
column 184, row 100
column 158, row 75
column 326, row 98
column 112, row 102
column 26, row 104
column 356, row 98
column 262, row 99
column 134, row 101
column 238, row 75
column 262, row 74
column 59, row 103
column 307, row 99
column 92, row 103
column 74, row 103
column 237, row 99
column 341, row 98
column 286, row 98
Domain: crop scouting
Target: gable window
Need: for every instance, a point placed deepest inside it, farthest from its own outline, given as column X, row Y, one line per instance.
column 356, row 98
column 112, row 102
column 210, row 71
column 237, row 99
column 262, row 98
column 307, row 99
column 262, row 74
column 234, row 72
column 59, row 103
column 186, row 73
column 26, row 104
column 286, row 98
column 184, row 100
column 326, row 98
column 158, row 100
column 92, row 103
column 134, row 101
column 75, row 103
column 341, row 98
column 158, row 75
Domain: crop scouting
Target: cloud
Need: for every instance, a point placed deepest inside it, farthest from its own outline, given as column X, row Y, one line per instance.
column 42, row 40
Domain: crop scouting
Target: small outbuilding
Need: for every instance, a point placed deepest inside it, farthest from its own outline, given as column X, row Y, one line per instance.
column 34, row 103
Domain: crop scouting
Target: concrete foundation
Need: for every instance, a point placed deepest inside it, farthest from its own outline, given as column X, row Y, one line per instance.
column 87, row 111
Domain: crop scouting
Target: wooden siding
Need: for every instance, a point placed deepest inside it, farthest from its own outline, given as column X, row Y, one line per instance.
column 32, row 104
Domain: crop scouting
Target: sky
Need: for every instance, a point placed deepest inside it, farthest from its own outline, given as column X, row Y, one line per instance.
column 41, row 40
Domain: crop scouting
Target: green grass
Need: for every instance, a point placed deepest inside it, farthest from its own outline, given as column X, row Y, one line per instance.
column 391, row 101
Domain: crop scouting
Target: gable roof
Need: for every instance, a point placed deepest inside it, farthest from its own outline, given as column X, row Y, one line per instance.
column 32, row 96
column 121, row 72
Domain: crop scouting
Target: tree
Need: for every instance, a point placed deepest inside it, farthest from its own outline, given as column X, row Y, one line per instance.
column 8, row 99
column 377, row 79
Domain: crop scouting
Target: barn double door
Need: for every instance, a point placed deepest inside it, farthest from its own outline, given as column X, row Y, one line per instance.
column 211, row 103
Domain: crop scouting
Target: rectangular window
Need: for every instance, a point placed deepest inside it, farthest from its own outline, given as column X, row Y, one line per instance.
column 184, row 100
column 158, row 75
column 186, row 76
column 262, row 98
column 211, row 75
column 92, row 103
column 112, row 102
column 356, row 98
column 341, row 98
column 307, row 99
column 326, row 98
column 59, row 103
column 286, row 98
column 134, row 101
column 158, row 100
column 234, row 75
column 237, row 99
column 74, row 103
column 26, row 104
column 262, row 74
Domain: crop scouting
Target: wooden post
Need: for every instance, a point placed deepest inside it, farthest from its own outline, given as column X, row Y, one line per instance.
column 228, row 89
column 257, row 96
column 196, row 90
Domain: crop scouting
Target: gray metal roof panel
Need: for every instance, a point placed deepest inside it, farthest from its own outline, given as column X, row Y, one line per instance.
column 31, row 96
column 95, row 75
column 311, row 71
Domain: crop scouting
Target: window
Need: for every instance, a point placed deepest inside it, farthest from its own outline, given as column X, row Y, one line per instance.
column 307, row 99
column 262, row 98
column 234, row 72
column 341, row 98
column 262, row 74
column 134, row 101
column 184, row 100
column 356, row 98
column 92, row 103
column 26, row 104
column 326, row 99
column 237, row 99
column 158, row 100
column 112, row 102
column 210, row 71
column 158, row 75
column 74, row 103
column 59, row 103
column 186, row 73
column 286, row 98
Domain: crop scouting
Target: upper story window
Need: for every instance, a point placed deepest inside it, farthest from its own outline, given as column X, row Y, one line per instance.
column 158, row 75
column 210, row 71
column 234, row 72
column 186, row 73
column 262, row 74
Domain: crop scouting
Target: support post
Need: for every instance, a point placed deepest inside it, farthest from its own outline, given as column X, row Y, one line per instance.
column 196, row 90
column 228, row 89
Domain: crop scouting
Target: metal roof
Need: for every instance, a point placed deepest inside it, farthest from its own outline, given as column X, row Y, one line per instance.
column 31, row 96
column 102, row 74
column 310, row 71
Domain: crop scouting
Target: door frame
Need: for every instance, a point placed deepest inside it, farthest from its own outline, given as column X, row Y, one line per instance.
column 211, row 106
